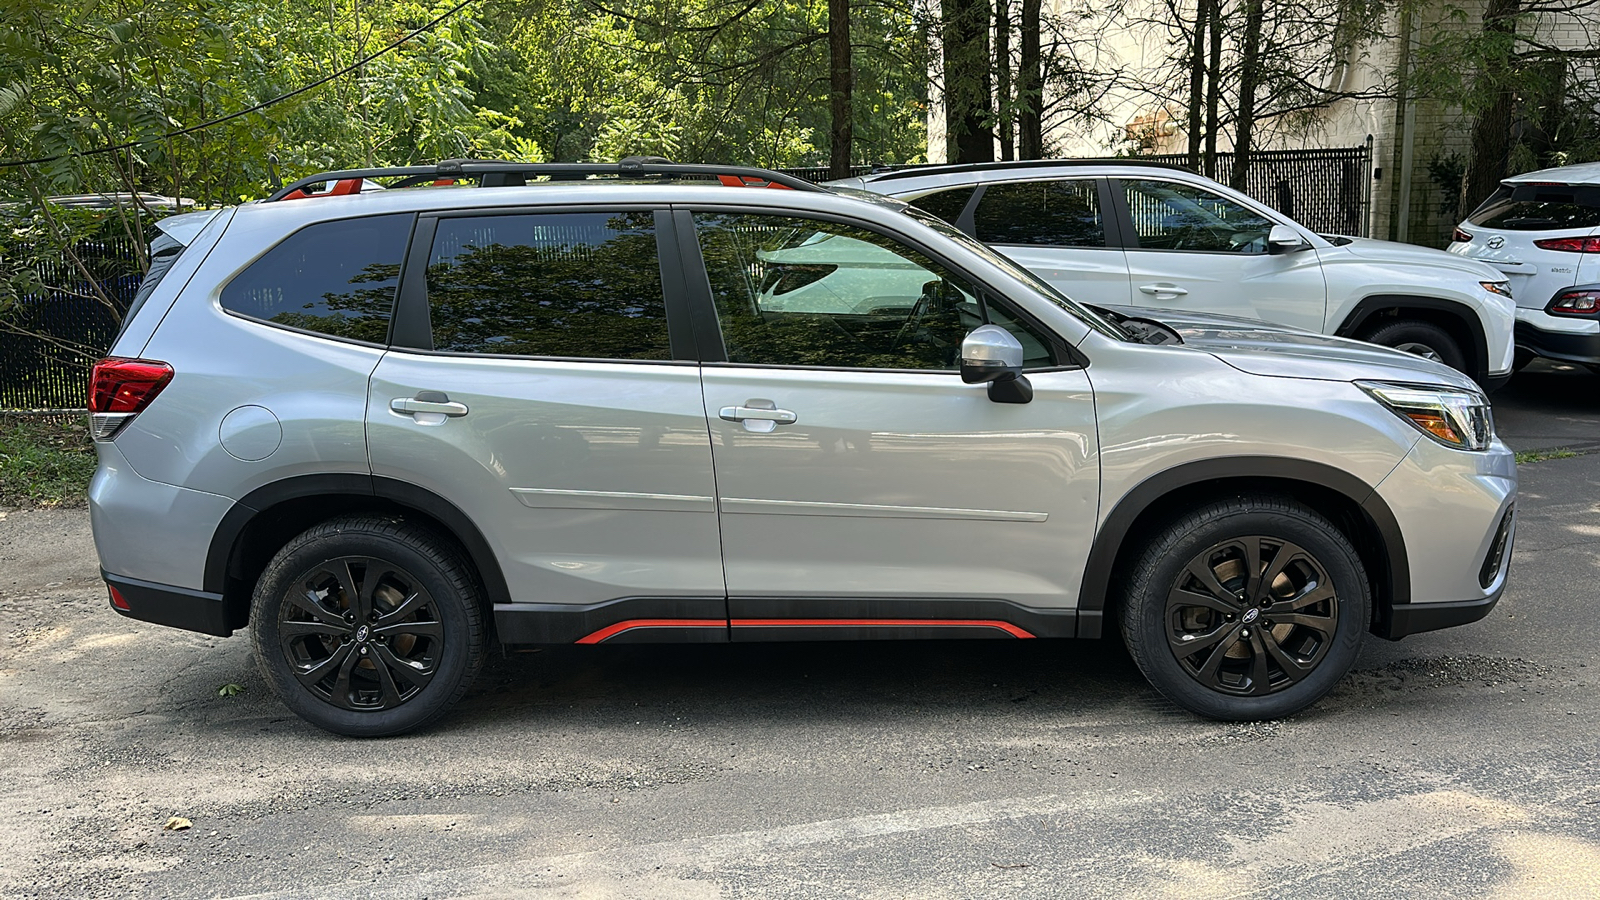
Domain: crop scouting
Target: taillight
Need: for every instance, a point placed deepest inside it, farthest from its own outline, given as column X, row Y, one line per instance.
column 1460, row 237
column 1570, row 244
column 1575, row 303
column 120, row 389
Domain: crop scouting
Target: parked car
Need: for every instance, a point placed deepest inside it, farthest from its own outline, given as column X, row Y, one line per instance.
column 1542, row 230
column 1162, row 237
column 605, row 404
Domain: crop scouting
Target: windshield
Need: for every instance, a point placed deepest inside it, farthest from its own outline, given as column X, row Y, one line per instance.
column 1082, row 313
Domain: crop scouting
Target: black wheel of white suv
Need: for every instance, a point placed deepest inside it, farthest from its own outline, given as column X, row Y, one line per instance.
column 367, row 626
column 1249, row 608
column 1423, row 339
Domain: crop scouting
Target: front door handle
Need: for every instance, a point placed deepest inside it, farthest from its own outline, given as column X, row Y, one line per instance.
column 1163, row 289
column 428, row 403
column 760, row 416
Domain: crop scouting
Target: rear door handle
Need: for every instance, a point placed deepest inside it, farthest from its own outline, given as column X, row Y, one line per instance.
column 426, row 402
column 1156, row 290
column 760, row 416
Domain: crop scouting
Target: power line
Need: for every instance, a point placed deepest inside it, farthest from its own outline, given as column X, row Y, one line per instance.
column 16, row 163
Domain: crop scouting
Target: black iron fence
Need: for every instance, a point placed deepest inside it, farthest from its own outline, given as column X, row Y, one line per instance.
column 51, row 337
column 1328, row 191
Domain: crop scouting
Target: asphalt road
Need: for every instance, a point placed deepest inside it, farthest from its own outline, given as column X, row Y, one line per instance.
column 1455, row 764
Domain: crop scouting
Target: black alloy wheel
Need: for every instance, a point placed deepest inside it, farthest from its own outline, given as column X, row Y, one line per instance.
column 1251, row 615
column 1252, row 607
column 361, row 633
column 368, row 625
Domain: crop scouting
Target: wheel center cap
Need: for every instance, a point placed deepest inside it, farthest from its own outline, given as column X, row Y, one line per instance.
column 361, row 633
column 1250, row 615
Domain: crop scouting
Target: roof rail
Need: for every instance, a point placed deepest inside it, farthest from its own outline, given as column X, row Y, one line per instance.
column 515, row 174
column 950, row 168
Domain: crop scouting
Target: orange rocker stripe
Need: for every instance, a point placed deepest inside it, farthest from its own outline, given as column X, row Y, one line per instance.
column 630, row 624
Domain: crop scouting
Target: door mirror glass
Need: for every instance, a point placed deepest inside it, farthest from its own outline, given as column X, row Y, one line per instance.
column 989, row 352
column 1283, row 239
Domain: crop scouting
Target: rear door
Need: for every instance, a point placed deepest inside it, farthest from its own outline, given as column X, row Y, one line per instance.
column 864, row 490
column 1059, row 228
column 538, row 385
column 1198, row 250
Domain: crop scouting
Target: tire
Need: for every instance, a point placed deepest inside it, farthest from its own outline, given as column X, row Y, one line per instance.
column 1422, row 338
column 1242, row 671
column 392, row 669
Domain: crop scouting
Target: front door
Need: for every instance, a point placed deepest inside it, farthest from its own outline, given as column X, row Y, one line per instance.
column 1196, row 250
column 547, row 402
column 864, row 490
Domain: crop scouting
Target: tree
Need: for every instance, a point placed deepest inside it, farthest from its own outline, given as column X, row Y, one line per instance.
column 968, row 89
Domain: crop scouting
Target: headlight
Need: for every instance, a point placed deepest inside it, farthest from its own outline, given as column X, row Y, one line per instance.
column 1503, row 288
column 1453, row 417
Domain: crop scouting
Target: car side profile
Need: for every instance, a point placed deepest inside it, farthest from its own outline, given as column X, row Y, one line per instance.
column 387, row 430
column 1126, row 233
column 1542, row 229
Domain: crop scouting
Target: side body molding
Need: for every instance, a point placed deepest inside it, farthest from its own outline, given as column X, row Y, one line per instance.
column 1266, row 471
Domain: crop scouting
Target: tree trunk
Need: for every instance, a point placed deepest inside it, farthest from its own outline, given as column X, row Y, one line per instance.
column 1005, row 109
column 1249, row 71
column 841, row 87
column 1213, row 87
column 1030, row 86
column 1197, row 81
column 1490, row 156
column 967, row 85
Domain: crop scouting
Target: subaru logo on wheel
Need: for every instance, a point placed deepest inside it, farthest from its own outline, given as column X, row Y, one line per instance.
column 361, row 633
column 1250, row 615
column 1496, row 242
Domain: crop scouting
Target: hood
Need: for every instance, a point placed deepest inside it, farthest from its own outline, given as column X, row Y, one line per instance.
column 1279, row 351
column 1391, row 251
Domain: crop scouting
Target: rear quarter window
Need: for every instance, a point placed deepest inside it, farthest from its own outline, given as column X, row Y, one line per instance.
column 335, row 278
column 1540, row 207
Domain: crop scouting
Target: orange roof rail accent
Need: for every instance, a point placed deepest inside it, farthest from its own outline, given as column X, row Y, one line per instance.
column 342, row 187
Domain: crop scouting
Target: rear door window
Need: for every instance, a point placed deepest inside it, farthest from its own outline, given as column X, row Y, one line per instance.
column 1540, row 207
column 334, row 278
column 1041, row 213
column 947, row 205
column 584, row 285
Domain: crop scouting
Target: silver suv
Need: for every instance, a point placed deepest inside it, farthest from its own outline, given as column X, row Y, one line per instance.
column 643, row 402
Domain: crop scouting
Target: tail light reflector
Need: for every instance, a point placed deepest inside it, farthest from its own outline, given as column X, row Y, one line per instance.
column 1570, row 244
column 1575, row 303
column 118, row 600
column 1460, row 237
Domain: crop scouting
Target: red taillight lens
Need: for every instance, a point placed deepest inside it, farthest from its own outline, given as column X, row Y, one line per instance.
column 1460, row 237
column 1570, row 245
column 118, row 600
column 1575, row 303
column 126, row 385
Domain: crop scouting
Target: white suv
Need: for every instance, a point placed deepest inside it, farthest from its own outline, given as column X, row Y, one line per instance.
column 1543, row 230
column 1126, row 233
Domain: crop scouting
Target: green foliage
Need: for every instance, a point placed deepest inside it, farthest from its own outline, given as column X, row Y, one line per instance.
column 44, row 462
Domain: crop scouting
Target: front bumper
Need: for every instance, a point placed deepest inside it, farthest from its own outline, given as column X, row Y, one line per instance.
column 1455, row 512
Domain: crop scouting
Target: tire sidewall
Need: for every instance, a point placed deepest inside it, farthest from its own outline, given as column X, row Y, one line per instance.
column 1330, row 549
column 293, row 563
column 1450, row 352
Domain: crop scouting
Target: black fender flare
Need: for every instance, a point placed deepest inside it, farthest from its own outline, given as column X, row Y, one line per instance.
column 1113, row 534
column 1367, row 306
column 225, row 540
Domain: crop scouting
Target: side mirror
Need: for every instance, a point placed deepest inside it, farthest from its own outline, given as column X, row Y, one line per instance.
column 1283, row 239
column 992, row 355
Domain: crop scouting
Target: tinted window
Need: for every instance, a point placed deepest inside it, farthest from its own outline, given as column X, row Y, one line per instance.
column 336, row 278
column 1171, row 216
column 947, row 205
column 801, row 292
column 1050, row 213
column 1540, row 207
column 584, row 285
